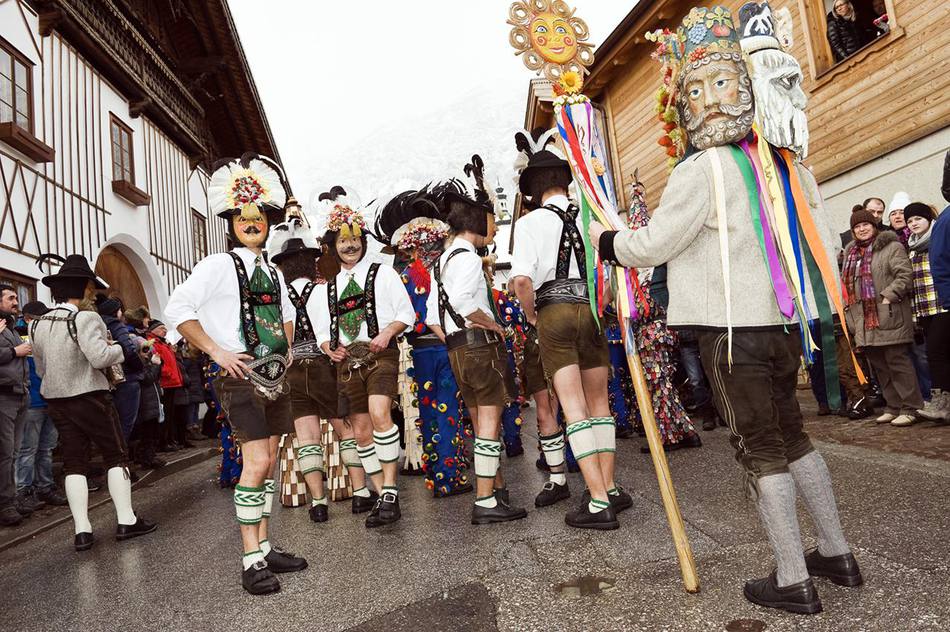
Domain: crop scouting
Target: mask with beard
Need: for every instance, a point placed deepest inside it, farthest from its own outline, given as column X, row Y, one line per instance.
column 715, row 100
column 776, row 80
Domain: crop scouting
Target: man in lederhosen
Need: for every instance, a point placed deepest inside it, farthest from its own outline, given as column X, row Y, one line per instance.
column 312, row 377
column 364, row 309
column 549, row 277
column 412, row 224
column 462, row 311
column 235, row 308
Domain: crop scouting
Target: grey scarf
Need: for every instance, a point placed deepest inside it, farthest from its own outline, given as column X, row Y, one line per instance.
column 920, row 243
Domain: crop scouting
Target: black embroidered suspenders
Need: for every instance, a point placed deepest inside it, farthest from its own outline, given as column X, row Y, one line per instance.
column 444, row 305
column 563, row 288
column 305, row 340
column 366, row 301
column 250, row 300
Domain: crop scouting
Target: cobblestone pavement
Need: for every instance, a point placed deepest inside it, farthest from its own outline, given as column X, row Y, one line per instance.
column 435, row 571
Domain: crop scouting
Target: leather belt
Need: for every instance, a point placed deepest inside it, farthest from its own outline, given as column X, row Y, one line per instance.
column 472, row 338
column 424, row 341
column 561, row 291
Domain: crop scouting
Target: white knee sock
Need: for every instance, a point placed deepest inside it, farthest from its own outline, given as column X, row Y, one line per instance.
column 269, row 488
column 120, row 488
column 369, row 459
column 605, row 429
column 310, row 458
column 249, row 505
column 348, row 454
column 582, row 439
column 77, row 493
column 487, row 457
column 553, row 448
column 387, row 445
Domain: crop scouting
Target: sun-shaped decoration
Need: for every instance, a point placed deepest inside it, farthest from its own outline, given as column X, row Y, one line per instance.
column 550, row 38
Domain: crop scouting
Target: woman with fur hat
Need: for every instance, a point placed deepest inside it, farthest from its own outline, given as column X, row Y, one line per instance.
column 877, row 286
column 934, row 319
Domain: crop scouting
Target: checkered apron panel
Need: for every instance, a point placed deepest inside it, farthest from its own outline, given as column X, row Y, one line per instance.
column 338, row 480
column 293, row 487
column 409, row 402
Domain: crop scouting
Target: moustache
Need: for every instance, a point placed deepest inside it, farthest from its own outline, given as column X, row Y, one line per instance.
column 352, row 250
column 732, row 111
column 252, row 230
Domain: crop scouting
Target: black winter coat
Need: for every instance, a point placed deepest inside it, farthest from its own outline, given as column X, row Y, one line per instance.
column 847, row 37
column 151, row 401
column 132, row 365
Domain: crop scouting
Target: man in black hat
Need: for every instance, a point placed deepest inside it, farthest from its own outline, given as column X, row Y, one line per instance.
column 462, row 311
column 71, row 351
column 549, row 277
column 235, row 308
column 14, row 396
column 363, row 309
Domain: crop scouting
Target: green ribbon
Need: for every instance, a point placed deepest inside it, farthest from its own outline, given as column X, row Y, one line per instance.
column 589, row 257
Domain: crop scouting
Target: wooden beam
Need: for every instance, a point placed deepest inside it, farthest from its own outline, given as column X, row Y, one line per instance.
column 49, row 19
column 137, row 107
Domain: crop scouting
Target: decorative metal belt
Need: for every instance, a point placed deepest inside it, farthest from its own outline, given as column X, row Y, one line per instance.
column 358, row 355
column 561, row 291
column 307, row 350
column 268, row 373
column 471, row 337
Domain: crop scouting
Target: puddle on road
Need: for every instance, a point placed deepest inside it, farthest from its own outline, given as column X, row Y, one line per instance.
column 745, row 625
column 585, row 585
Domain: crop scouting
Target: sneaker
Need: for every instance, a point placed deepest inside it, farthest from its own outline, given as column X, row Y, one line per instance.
column 800, row 598
column 281, row 561
column 501, row 512
column 259, row 580
column 551, row 493
column 582, row 518
column 26, row 503
column 52, row 496
column 129, row 531
column 385, row 512
column 10, row 517
column 903, row 420
column 937, row 409
column 886, row 418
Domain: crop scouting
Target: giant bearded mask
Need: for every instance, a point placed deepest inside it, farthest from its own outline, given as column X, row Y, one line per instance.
column 714, row 93
column 776, row 79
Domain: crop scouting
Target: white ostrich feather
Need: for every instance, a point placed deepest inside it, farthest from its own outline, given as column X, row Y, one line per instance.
column 284, row 232
column 224, row 189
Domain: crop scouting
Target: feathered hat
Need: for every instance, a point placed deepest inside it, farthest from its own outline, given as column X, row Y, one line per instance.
column 248, row 186
column 412, row 219
column 290, row 238
column 538, row 151
column 72, row 268
column 458, row 195
column 340, row 212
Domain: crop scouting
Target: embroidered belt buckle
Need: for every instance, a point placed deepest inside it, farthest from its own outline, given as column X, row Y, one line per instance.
column 562, row 291
column 267, row 374
column 358, row 355
column 308, row 350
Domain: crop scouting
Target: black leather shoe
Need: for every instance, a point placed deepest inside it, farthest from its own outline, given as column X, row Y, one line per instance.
column 362, row 504
column 691, row 441
column 53, row 497
column 501, row 512
column 582, row 518
column 10, row 517
column 551, row 493
column 128, row 531
column 501, row 495
column 281, row 561
column 319, row 513
column 800, row 598
column 840, row 569
column 259, row 580
column 83, row 541
column 618, row 502
column 514, row 450
column 709, row 423
column 385, row 512
column 860, row 409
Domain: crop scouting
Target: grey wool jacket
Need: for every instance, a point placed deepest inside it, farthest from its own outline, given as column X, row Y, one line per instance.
column 70, row 368
column 684, row 233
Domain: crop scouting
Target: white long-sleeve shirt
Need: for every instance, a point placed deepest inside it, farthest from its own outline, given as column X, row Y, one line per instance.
column 211, row 296
column 464, row 284
column 392, row 301
column 538, row 243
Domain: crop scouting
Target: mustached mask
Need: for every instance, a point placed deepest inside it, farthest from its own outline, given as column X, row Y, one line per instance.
column 250, row 193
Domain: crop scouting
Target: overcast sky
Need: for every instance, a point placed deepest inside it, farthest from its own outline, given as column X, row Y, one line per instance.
column 361, row 92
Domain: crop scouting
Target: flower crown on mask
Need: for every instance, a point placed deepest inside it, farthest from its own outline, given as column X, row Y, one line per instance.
column 346, row 221
column 419, row 233
column 247, row 186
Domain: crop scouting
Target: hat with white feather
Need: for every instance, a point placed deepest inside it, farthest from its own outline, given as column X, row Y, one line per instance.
column 290, row 238
column 249, row 186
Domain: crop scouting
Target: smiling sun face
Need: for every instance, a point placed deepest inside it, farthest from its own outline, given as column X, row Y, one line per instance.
column 553, row 38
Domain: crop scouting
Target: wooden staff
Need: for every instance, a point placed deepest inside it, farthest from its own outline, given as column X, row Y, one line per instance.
column 644, row 400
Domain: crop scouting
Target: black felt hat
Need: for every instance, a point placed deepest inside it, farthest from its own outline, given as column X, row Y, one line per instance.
column 541, row 161
column 75, row 267
column 293, row 246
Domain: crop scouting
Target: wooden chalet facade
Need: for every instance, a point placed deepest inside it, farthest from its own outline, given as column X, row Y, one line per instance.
column 879, row 121
column 111, row 113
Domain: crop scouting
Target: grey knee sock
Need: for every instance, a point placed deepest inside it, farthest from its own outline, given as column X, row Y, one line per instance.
column 776, row 504
column 814, row 483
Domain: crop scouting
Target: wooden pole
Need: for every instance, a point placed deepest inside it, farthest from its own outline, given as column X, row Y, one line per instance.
column 645, row 402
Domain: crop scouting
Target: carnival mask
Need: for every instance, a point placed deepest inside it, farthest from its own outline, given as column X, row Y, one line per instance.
column 251, row 232
column 715, row 102
column 349, row 249
column 779, row 99
column 553, row 38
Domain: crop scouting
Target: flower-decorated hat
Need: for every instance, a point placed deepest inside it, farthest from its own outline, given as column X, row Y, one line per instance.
column 412, row 220
column 248, row 186
column 704, row 33
column 341, row 212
